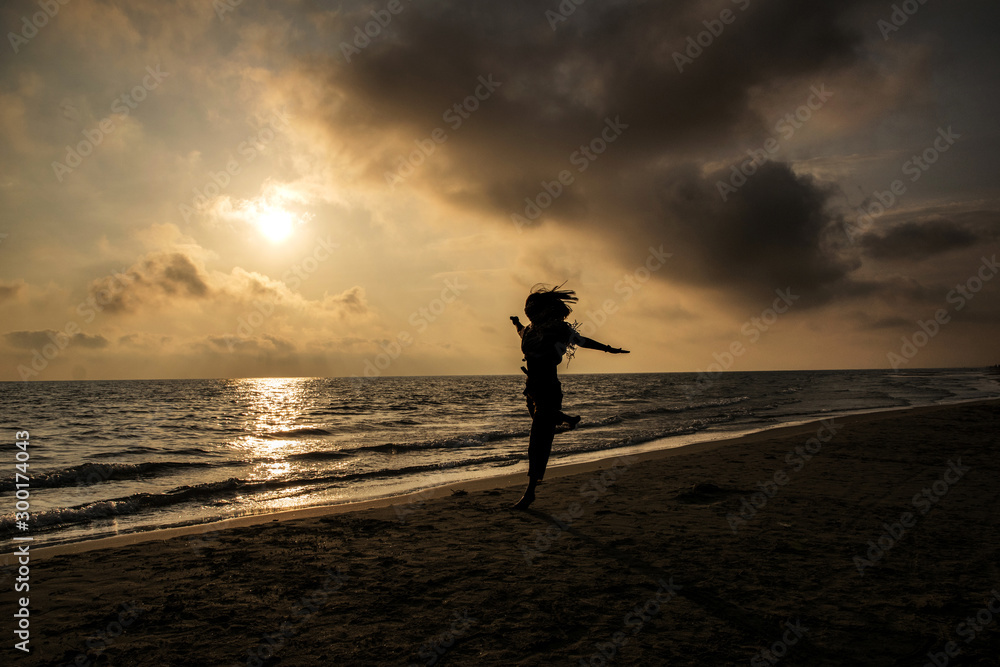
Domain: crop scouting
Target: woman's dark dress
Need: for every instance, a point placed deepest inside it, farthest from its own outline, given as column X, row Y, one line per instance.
column 543, row 348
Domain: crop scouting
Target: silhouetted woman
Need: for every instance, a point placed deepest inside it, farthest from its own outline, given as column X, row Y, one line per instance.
column 544, row 342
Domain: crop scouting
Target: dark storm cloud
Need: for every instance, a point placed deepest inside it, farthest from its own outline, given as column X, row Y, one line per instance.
column 774, row 233
column 918, row 240
column 559, row 88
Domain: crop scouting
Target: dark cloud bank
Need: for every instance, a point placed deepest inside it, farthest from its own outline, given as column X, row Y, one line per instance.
column 617, row 61
column 560, row 87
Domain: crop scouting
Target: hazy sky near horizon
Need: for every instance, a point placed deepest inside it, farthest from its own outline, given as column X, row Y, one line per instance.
column 241, row 189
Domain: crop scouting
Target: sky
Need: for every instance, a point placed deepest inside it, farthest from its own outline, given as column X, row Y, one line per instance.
column 197, row 189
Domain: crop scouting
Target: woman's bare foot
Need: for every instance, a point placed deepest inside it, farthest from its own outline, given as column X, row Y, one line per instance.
column 525, row 501
column 529, row 495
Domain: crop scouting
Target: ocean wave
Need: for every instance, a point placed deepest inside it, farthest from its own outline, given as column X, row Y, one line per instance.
column 487, row 437
column 640, row 437
column 605, row 421
column 142, row 449
column 314, row 456
column 88, row 474
column 676, row 409
column 303, row 432
column 118, row 453
column 141, row 502
column 471, row 440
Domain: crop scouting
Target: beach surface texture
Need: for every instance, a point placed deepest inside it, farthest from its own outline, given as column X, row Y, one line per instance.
column 864, row 540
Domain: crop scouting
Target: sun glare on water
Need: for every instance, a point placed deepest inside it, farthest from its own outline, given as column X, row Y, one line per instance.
column 275, row 224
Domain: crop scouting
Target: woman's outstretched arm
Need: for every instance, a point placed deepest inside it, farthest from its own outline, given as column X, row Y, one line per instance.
column 592, row 344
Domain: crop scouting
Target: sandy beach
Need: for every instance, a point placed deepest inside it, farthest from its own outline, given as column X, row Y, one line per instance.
column 865, row 540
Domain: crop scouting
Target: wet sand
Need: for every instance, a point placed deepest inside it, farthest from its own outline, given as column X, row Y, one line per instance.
column 870, row 540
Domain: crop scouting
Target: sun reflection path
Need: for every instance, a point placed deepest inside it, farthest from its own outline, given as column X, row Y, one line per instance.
column 276, row 417
column 270, row 407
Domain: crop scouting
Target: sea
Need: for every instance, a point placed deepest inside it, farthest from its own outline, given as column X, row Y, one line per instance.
column 114, row 457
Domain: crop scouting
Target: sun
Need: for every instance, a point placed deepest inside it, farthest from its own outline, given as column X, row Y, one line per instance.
column 275, row 224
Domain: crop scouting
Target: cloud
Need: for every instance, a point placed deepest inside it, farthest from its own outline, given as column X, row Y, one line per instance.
column 32, row 340
column 144, row 341
column 158, row 278
column 244, row 286
column 773, row 233
column 918, row 240
column 889, row 322
column 557, row 91
column 255, row 344
column 557, row 88
column 179, row 274
column 350, row 301
column 249, row 288
column 95, row 341
column 10, row 291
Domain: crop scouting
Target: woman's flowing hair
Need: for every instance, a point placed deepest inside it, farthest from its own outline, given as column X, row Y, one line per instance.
column 549, row 306
column 549, row 300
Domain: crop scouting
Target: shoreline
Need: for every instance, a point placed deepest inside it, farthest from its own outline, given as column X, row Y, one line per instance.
column 478, row 485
